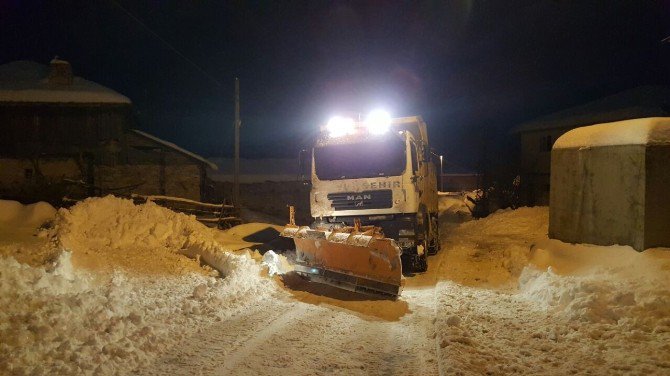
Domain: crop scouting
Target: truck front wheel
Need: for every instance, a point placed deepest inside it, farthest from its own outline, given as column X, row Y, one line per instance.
column 420, row 263
column 414, row 263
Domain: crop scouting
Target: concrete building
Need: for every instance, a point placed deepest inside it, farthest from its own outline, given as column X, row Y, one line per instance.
column 609, row 184
column 63, row 135
column 538, row 136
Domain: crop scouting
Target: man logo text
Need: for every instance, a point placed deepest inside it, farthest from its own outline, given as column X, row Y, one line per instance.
column 358, row 197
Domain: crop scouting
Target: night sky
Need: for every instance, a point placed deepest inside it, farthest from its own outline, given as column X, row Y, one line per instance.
column 472, row 69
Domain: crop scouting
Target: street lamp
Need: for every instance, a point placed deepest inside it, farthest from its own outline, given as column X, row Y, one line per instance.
column 441, row 176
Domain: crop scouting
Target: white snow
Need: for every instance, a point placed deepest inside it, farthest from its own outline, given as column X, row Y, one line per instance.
column 512, row 301
column 499, row 298
column 26, row 81
column 645, row 131
column 20, row 215
column 132, row 296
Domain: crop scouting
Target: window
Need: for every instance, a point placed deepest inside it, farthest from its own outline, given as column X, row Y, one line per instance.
column 415, row 162
column 371, row 158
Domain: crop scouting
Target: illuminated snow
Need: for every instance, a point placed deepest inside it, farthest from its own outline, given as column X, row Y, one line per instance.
column 500, row 298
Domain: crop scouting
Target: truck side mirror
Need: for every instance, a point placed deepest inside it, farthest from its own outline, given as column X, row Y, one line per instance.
column 304, row 165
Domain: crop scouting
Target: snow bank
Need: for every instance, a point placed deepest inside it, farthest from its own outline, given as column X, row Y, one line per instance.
column 109, row 233
column 115, row 223
column 69, row 322
column 491, row 251
column 276, row 264
column 613, row 285
column 453, row 207
column 571, row 309
column 19, row 234
column 64, row 319
column 16, row 214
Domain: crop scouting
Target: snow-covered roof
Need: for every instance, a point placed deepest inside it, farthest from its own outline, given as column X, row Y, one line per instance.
column 27, row 82
column 175, row 147
column 639, row 102
column 646, row 131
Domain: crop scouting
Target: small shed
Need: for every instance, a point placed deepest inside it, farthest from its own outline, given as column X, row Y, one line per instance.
column 538, row 136
column 609, row 184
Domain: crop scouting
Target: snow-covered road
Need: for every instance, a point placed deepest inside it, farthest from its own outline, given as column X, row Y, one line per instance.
column 306, row 333
column 499, row 298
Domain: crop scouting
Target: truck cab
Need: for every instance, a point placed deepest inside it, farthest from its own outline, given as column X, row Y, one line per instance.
column 384, row 176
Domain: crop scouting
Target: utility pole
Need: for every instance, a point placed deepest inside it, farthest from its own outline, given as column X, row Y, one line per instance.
column 237, row 124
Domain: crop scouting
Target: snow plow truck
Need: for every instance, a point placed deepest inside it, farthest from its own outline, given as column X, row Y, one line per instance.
column 374, row 204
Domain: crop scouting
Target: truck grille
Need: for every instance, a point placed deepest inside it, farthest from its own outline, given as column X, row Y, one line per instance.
column 362, row 200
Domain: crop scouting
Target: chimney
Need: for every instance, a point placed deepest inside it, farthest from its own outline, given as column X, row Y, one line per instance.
column 60, row 72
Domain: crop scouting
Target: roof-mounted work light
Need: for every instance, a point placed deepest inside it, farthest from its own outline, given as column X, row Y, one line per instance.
column 378, row 122
column 339, row 126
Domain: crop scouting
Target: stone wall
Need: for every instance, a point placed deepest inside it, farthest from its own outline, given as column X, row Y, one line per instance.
column 23, row 179
column 178, row 180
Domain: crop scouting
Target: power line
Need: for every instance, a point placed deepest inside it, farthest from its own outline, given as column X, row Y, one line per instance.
column 166, row 43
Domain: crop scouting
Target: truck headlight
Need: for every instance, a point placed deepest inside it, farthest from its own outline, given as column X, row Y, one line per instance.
column 339, row 126
column 378, row 122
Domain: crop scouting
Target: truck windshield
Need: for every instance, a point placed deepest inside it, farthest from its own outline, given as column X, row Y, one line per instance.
column 380, row 157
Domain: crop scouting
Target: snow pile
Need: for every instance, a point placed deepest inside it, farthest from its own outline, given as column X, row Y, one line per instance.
column 20, row 237
column 509, row 300
column 69, row 322
column 63, row 319
column 115, row 223
column 276, row 264
column 492, row 251
column 453, row 206
column 109, row 232
column 611, row 285
column 19, row 215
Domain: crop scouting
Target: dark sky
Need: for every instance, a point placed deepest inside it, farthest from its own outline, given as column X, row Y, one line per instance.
column 473, row 69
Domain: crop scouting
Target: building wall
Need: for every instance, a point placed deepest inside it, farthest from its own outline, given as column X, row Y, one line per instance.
column 43, row 144
column 657, row 199
column 41, row 178
column 19, row 179
column 145, row 179
column 598, row 195
column 55, row 129
column 536, row 164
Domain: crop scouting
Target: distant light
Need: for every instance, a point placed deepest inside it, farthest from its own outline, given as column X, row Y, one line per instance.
column 339, row 126
column 378, row 122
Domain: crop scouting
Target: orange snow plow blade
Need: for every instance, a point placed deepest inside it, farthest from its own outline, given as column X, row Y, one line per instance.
column 361, row 261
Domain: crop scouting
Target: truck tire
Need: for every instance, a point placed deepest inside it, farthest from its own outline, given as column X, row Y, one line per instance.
column 414, row 263
column 433, row 236
column 420, row 263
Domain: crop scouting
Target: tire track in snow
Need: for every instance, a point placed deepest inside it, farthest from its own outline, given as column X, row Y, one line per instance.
column 205, row 351
column 251, row 343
